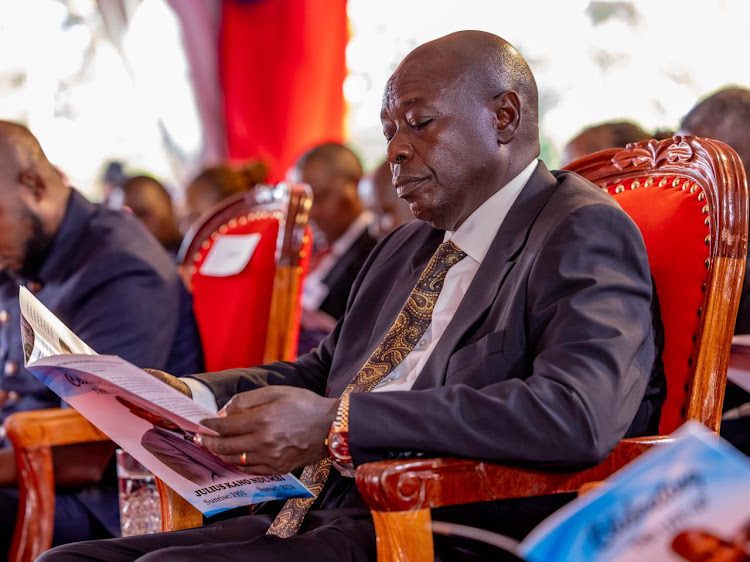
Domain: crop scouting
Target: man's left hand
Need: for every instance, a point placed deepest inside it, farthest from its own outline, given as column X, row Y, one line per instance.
column 278, row 428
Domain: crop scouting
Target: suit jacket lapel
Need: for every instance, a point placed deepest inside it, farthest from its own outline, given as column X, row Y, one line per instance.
column 486, row 284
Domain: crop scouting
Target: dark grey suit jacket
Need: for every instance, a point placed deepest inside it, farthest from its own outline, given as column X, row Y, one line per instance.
column 549, row 360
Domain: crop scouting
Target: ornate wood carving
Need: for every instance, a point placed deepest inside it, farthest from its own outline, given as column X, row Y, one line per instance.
column 428, row 483
column 718, row 171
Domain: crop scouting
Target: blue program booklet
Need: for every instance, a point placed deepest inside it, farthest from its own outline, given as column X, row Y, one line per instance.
column 687, row 500
column 150, row 420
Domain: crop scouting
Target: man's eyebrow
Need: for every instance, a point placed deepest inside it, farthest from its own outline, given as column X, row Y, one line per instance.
column 404, row 104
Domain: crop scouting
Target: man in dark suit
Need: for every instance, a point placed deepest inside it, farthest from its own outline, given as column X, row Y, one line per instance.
column 513, row 322
column 107, row 279
column 342, row 229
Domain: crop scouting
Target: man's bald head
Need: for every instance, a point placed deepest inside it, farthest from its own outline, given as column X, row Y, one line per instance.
column 333, row 172
column 724, row 116
column 33, row 200
column 339, row 159
column 460, row 114
column 487, row 65
column 20, row 151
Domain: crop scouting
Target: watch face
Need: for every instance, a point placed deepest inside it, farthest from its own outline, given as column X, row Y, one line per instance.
column 338, row 446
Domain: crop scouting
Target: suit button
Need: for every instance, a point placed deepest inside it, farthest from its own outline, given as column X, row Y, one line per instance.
column 10, row 369
column 4, row 317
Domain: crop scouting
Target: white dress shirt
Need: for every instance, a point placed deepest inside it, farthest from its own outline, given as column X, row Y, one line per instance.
column 474, row 237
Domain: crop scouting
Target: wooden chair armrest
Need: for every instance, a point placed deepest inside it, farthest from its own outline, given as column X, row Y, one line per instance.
column 33, row 434
column 403, row 485
column 51, row 427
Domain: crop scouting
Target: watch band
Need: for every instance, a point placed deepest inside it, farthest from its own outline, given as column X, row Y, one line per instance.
column 338, row 436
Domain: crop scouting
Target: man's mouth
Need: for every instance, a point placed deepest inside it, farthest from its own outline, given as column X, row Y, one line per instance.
column 406, row 186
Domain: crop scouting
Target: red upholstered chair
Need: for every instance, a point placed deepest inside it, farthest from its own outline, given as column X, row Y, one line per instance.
column 689, row 197
column 252, row 315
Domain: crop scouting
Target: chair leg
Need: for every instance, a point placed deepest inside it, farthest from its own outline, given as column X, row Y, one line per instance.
column 36, row 504
column 176, row 511
column 404, row 536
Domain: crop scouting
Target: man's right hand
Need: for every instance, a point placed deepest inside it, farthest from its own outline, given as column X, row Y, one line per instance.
column 171, row 380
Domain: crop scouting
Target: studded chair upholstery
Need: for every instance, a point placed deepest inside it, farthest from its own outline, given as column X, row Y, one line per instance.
column 688, row 196
column 249, row 314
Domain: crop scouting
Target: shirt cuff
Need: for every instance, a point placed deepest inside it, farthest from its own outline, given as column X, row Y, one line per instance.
column 201, row 394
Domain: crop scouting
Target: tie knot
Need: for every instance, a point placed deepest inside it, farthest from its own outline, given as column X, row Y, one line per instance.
column 449, row 254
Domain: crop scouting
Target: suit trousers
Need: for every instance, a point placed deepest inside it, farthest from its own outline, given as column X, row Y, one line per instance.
column 326, row 535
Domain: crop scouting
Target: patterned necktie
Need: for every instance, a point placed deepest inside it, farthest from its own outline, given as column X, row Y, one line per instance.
column 411, row 323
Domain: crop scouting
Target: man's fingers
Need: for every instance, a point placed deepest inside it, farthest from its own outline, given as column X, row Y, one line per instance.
column 226, row 446
column 251, row 399
column 246, row 422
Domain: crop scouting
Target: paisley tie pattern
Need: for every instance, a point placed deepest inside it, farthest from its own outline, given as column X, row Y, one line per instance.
column 411, row 323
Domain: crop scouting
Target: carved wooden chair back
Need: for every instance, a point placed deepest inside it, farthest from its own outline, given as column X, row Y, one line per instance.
column 245, row 261
column 689, row 197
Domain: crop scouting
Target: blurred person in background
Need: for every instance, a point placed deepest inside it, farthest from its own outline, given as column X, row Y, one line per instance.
column 390, row 210
column 108, row 280
column 112, row 180
column 342, row 228
column 215, row 184
column 152, row 205
column 600, row 137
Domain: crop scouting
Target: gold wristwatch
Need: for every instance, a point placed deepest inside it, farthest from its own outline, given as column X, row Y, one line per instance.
column 338, row 436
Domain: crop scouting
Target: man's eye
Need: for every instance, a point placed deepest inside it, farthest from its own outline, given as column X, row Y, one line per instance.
column 421, row 124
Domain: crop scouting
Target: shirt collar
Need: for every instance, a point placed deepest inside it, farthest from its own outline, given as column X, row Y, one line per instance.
column 352, row 233
column 478, row 231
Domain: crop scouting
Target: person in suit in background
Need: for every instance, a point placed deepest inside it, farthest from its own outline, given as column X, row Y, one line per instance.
column 342, row 227
column 107, row 279
column 600, row 137
column 725, row 116
column 390, row 210
column 152, row 205
column 513, row 322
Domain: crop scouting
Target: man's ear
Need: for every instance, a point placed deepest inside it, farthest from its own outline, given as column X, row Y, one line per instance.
column 507, row 110
column 33, row 183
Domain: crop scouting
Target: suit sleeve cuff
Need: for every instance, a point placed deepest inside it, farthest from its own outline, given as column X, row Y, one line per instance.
column 201, row 394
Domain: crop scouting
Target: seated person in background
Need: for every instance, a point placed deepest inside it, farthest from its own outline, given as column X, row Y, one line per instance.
column 513, row 322
column 215, row 184
column 152, row 205
column 725, row 116
column 341, row 225
column 390, row 210
column 600, row 137
column 106, row 278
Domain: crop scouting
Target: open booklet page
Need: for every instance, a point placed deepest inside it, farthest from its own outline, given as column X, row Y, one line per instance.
column 150, row 420
column 688, row 500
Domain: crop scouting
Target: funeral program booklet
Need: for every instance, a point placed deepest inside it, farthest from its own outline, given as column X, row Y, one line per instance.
column 149, row 419
column 687, row 500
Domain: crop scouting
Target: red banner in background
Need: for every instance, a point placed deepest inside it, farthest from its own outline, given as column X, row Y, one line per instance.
column 282, row 71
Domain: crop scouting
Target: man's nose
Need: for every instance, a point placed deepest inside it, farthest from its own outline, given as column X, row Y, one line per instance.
column 399, row 149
